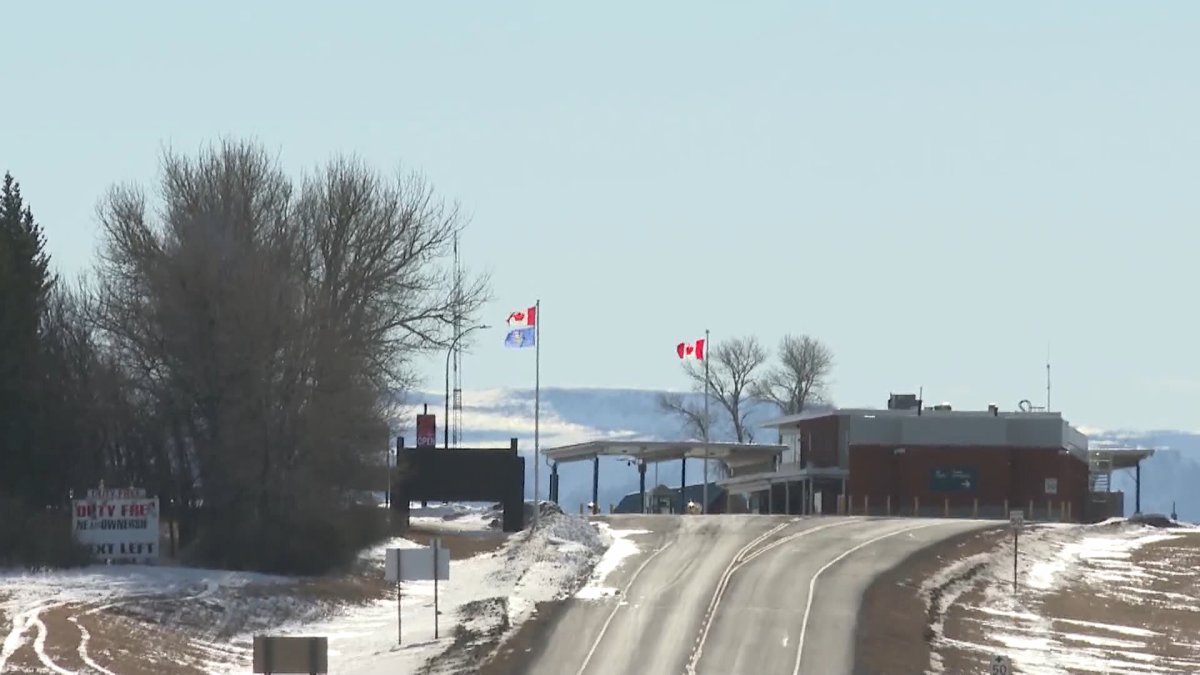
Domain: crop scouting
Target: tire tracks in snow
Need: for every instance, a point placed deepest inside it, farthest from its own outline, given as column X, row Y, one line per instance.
column 22, row 622
column 29, row 618
column 84, row 638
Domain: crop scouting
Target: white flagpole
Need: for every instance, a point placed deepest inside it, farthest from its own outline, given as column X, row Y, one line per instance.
column 704, row 490
column 537, row 403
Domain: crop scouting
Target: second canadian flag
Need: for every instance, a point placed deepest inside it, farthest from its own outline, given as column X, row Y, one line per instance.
column 691, row 350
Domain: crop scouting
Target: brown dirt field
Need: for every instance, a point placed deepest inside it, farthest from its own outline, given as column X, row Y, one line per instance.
column 24, row 661
column 961, row 624
column 119, row 644
column 893, row 624
column 1177, row 617
column 62, row 637
column 460, row 544
column 1171, row 606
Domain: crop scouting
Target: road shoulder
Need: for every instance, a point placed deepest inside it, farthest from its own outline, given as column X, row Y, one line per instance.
column 894, row 627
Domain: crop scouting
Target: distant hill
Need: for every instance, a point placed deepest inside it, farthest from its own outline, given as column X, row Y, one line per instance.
column 491, row 417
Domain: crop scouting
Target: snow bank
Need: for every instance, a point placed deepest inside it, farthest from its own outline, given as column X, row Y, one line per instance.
column 486, row 597
column 1053, row 558
column 621, row 548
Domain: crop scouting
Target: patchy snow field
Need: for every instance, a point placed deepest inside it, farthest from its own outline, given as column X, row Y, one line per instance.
column 26, row 597
column 210, row 617
column 1114, row 597
column 622, row 547
column 454, row 517
column 486, row 597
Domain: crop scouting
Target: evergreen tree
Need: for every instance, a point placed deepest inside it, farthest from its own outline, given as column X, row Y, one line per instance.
column 25, row 286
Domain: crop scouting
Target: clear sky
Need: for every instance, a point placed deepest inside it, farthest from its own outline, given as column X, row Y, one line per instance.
column 938, row 190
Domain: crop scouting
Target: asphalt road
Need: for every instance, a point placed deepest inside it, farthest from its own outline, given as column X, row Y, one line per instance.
column 726, row 595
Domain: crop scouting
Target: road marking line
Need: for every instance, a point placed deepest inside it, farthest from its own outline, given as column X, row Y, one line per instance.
column 624, row 594
column 712, row 603
column 812, row 584
column 780, row 542
column 734, row 566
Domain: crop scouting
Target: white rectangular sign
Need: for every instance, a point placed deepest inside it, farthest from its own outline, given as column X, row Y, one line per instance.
column 415, row 564
column 118, row 529
column 1016, row 518
column 1051, row 486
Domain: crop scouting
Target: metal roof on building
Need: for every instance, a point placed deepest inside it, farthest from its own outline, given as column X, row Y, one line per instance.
column 791, row 420
column 1120, row 458
column 732, row 454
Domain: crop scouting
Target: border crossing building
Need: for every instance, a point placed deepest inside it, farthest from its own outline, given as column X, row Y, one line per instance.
column 905, row 460
column 912, row 460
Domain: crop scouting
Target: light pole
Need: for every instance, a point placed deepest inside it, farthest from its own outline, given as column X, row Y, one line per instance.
column 449, row 352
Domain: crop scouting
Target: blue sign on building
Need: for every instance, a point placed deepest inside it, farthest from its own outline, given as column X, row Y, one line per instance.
column 953, row 479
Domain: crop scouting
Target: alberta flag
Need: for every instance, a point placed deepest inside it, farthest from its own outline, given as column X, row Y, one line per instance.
column 521, row 338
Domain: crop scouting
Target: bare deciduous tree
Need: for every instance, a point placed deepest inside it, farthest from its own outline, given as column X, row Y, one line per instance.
column 800, row 377
column 690, row 413
column 732, row 370
column 269, row 325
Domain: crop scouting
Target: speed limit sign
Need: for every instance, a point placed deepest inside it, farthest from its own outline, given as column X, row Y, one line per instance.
column 1001, row 665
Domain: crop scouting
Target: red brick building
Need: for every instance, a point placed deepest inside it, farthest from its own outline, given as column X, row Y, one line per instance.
column 909, row 459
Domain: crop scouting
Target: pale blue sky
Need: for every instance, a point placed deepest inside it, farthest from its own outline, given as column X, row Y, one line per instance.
column 936, row 189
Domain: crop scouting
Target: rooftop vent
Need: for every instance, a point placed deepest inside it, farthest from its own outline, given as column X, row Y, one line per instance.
column 943, row 407
column 903, row 402
column 994, row 409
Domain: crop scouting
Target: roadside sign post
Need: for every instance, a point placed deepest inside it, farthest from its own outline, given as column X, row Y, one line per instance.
column 424, row 563
column 1001, row 665
column 1016, row 519
column 437, row 544
column 400, row 613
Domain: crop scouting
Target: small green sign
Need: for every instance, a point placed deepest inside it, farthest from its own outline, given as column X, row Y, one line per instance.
column 953, row 479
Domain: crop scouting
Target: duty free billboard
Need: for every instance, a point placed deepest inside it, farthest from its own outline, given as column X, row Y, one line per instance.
column 119, row 526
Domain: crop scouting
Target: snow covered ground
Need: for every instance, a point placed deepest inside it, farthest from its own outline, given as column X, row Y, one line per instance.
column 1086, row 601
column 26, row 596
column 486, row 598
column 215, row 614
column 621, row 548
column 453, row 517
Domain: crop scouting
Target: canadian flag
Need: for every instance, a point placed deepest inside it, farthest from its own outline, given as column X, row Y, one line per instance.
column 523, row 317
column 691, row 350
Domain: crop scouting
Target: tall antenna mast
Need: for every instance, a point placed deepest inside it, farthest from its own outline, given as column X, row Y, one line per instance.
column 456, row 422
column 1047, row 377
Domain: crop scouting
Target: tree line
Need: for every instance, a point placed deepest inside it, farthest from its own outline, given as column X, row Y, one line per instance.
column 741, row 373
column 234, row 350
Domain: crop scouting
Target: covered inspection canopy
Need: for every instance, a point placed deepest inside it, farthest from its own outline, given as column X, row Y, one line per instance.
column 732, row 455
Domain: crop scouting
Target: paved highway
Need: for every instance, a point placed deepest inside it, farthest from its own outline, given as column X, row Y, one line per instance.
column 726, row 595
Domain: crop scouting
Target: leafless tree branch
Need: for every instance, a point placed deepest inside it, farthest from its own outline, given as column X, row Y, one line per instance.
column 801, row 376
column 732, row 373
column 691, row 415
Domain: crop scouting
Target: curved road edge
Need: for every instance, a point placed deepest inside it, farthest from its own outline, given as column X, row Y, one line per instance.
column 883, row 643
